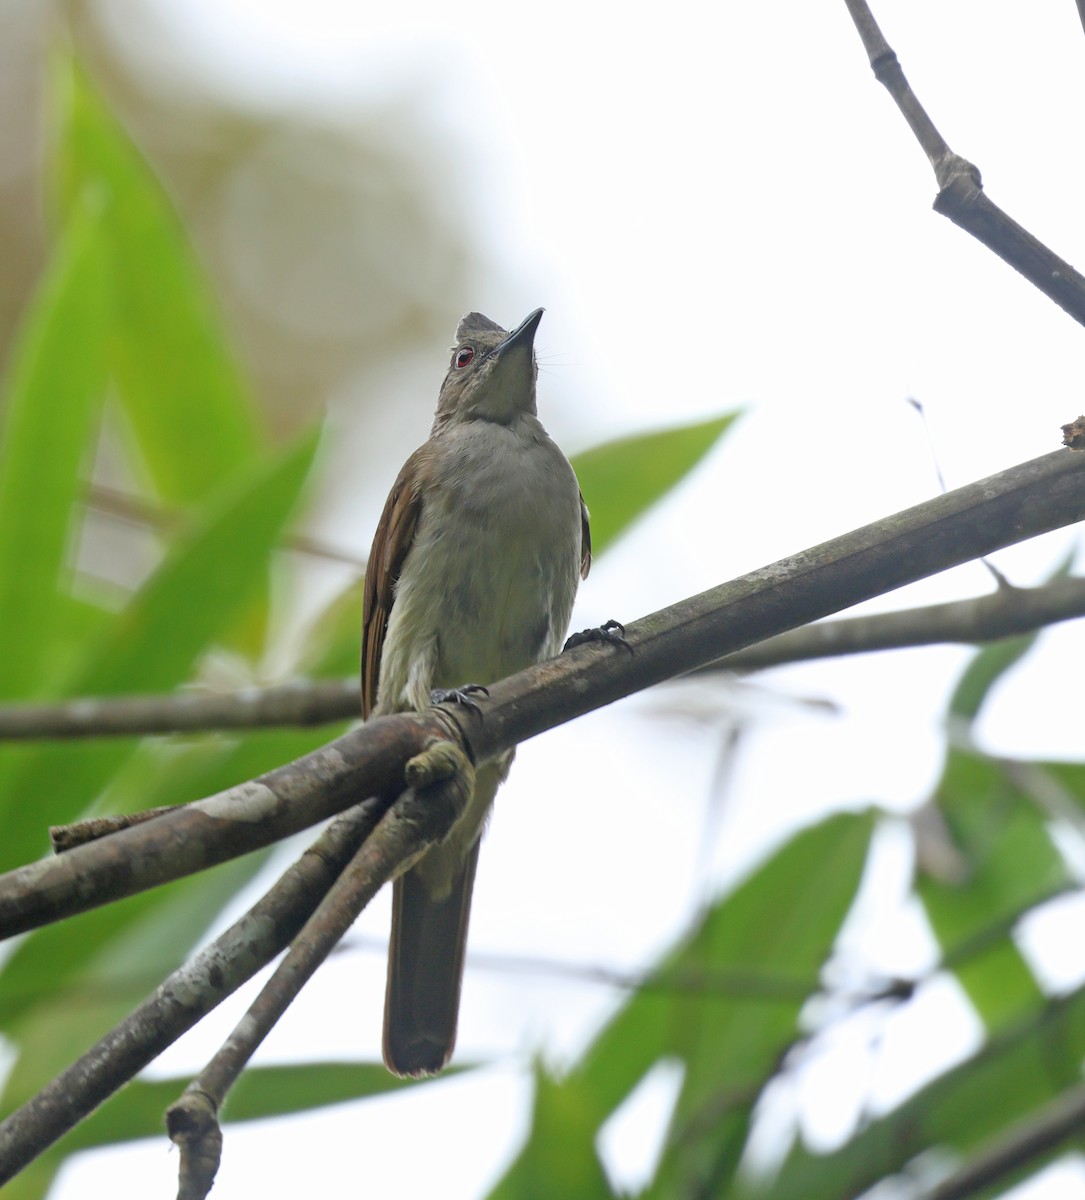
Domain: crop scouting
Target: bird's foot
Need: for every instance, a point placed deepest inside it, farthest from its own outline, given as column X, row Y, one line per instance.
column 611, row 632
column 460, row 695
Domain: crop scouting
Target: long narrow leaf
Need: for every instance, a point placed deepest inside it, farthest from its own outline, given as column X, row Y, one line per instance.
column 1012, row 1076
column 1009, row 864
column 156, row 641
column 53, row 388
column 182, row 391
column 781, row 922
column 622, row 479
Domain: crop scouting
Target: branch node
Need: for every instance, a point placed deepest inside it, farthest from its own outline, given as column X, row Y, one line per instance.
column 884, row 65
column 67, row 837
column 192, row 1124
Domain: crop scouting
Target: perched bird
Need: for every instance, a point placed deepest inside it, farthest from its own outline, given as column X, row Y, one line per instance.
column 472, row 575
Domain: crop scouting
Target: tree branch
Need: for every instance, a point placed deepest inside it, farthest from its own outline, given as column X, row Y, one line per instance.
column 999, row 511
column 367, row 762
column 299, row 703
column 1006, row 613
column 961, row 197
column 1035, row 497
column 1046, row 493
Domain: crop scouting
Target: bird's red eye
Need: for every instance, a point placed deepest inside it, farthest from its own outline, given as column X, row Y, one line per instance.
column 463, row 356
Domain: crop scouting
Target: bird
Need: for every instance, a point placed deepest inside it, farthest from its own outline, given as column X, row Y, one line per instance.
column 472, row 575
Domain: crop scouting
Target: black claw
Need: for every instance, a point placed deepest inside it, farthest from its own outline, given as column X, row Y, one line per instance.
column 460, row 695
column 612, row 632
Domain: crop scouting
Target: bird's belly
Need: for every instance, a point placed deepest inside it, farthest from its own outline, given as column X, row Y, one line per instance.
column 486, row 590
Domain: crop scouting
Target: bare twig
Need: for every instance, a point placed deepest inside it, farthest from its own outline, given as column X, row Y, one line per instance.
column 1047, row 493
column 78, row 833
column 299, row 703
column 960, row 195
column 186, row 996
column 442, row 779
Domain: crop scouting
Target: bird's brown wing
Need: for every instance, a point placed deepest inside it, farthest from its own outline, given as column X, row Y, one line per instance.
column 391, row 542
column 585, row 539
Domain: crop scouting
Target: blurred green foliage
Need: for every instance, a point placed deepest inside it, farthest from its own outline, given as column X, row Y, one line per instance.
column 124, row 342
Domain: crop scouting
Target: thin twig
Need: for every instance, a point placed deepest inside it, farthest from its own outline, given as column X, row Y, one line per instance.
column 113, row 502
column 961, row 197
column 66, row 837
column 298, row 703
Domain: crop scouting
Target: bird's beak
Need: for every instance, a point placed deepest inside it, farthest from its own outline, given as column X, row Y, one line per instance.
column 523, row 336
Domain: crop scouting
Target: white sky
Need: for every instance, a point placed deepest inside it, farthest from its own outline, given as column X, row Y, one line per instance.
column 719, row 207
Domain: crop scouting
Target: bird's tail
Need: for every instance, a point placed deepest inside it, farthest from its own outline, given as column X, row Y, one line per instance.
column 425, row 970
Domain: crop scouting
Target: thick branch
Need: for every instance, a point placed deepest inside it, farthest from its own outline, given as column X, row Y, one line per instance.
column 1035, row 497
column 366, row 762
column 961, row 196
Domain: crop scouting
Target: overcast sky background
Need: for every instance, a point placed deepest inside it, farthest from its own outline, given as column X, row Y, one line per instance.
column 719, row 207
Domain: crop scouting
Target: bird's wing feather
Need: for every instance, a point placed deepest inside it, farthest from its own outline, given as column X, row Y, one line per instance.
column 391, row 544
column 585, row 539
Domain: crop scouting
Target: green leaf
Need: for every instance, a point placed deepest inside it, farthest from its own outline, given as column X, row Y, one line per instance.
column 34, row 1181
column 725, row 1004
column 782, row 922
column 333, row 641
column 993, row 661
column 53, row 388
column 155, row 642
column 984, row 671
column 71, row 982
column 1068, row 777
column 261, row 1092
column 560, row 1158
column 968, row 1107
column 1009, row 864
column 756, row 930
column 622, row 479
column 201, row 583
column 182, row 391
